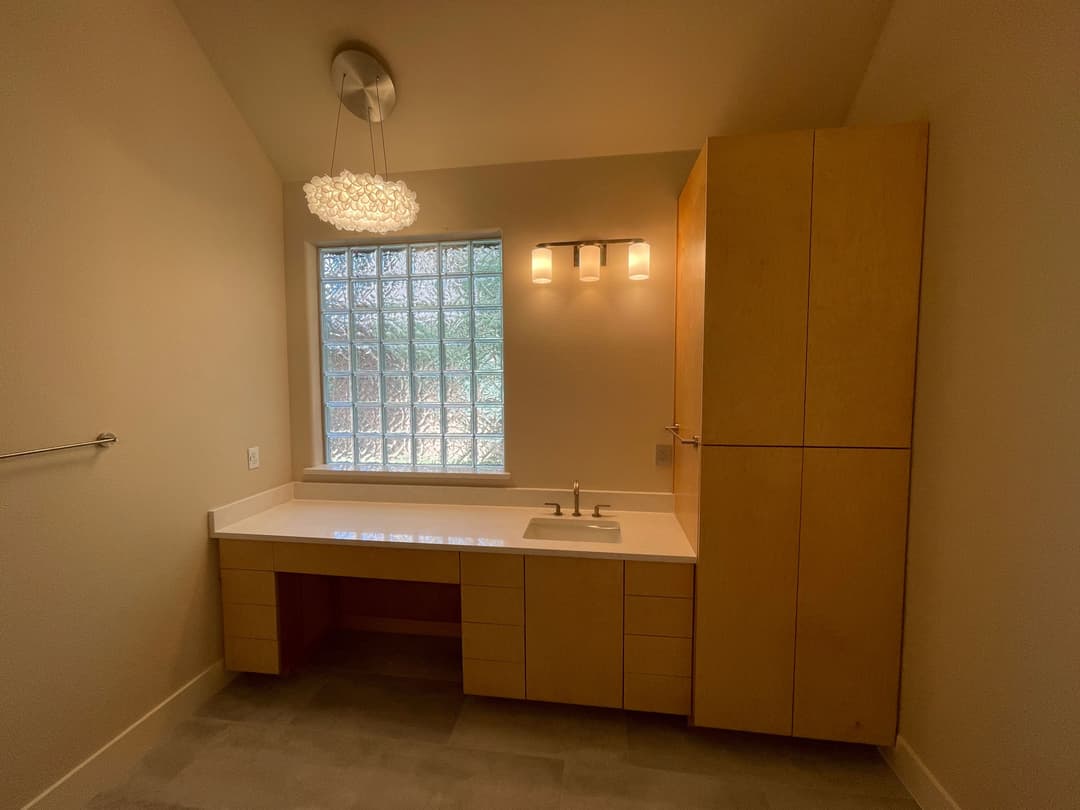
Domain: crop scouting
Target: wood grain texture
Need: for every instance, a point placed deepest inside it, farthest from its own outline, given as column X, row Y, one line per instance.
column 851, row 594
column 413, row 565
column 866, row 258
column 757, row 271
column 689, row 336
column 251, row 655
column 574, row 630
column 493, row 642
column 488, row 604
column 493, row 678
column 747, row 566
column 659, row 616
column 248, row 587
column 657, row 693
column 657, row 655
column 250, row 621
column 659, row 579
column 506, row 570
column 256, row 555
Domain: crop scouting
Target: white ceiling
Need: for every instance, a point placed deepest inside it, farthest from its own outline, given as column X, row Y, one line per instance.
column 502, row 81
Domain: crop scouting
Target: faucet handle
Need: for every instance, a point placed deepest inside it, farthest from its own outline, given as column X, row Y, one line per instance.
column 596, row 509
column 558, row 508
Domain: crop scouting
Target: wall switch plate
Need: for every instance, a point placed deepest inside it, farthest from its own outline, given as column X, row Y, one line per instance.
column 253, row 458
column 663, row 455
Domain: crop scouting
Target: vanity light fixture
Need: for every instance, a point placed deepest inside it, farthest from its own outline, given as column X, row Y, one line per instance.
column 364, row 202
column 589, row 256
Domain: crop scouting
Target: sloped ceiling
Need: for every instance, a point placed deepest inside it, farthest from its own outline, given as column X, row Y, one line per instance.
column 502, row 81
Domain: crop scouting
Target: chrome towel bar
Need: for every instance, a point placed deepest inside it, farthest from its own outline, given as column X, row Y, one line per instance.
column 103, row 440
column 694, row 440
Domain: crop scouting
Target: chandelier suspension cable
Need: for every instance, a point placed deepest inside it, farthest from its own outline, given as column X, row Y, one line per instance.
column 382, row 132
column 337, row 124
column 371, row 139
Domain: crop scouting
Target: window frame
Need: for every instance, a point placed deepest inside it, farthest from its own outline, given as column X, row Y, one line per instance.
column 409, row 341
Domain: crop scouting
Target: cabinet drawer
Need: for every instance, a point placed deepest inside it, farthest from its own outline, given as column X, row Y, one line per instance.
column 659, row 616
column 492, row 605
column 412, row 565
column 251, row 554
column 507, row 570
column 659, row 579
column 493, row 678
column 492, row 642
column 657, row 655
column 248, row 587
column 250, row 621
column 656, row 693
column 251, row 655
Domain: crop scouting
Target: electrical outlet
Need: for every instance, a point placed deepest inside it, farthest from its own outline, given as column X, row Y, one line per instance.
column 663, row 455
column 253, row 458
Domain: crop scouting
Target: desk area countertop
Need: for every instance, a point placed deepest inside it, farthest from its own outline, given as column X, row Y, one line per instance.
column 652, row 536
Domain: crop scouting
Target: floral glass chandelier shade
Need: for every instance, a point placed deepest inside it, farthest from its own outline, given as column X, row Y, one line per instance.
column 362, row 202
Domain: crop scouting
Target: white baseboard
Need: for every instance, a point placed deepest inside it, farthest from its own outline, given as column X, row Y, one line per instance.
column 111, row 763
column 917, row 778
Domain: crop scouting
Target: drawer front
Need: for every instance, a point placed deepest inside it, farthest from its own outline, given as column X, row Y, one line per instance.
column 494, row 678
column 251, row 554
column 250, row 621
column 251, row 655
column 507, row 570
column 491, row 605
column 419, row 565
column 657, row 655
column 656, row 693
column 659, row 579
column 492, row 642
column 248, row 587
column 659, row 616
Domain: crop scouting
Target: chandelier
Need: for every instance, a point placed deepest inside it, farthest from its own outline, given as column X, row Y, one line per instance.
column 362, row 202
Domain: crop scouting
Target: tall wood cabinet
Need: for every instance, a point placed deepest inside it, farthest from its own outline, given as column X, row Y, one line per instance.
column 798, row 268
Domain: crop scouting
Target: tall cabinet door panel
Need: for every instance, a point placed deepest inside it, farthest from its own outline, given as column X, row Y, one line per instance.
column 747, row 564
column 756, row 288
column 689, row 329
column 866, row 254
column 574, row 630
column 851, row 589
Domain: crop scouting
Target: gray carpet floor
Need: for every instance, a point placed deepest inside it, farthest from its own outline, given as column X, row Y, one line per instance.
column 380, row 722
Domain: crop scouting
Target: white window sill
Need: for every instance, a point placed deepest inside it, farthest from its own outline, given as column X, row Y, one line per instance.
column 329, row 473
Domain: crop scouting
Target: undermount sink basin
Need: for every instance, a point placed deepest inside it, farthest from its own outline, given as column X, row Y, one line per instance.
column 588, row 531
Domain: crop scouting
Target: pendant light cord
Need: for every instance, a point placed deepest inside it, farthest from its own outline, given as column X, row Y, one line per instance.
column 337, row 125
column 371, row 137
column 382, row 131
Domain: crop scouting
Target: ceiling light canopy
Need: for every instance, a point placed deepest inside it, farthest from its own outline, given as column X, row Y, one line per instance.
column 364, row 202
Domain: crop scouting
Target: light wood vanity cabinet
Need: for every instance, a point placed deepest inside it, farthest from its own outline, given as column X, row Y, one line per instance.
column 574, row 630
column 493, row 624
column 805, row 248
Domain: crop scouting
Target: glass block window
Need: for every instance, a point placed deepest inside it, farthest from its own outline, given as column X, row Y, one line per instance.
column 412, row 356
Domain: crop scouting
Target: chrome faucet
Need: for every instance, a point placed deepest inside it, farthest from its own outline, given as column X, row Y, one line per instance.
column 577, row 499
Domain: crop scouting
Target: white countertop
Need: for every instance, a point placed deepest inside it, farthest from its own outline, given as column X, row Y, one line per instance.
column 655, row 536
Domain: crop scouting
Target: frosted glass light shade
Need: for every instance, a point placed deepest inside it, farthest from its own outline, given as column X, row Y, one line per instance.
column 638, row 261
column 541, row 265
column 589, row 260
column 362, row 202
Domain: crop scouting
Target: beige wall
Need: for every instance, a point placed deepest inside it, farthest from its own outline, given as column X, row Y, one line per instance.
column 141, row 291
column 991, row 681
column 588, row 366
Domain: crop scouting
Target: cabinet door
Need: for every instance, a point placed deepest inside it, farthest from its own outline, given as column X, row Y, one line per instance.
column 757, row 269
column 574, row 630
column 851, row 593
column 744, row 650
column 689, row 334
column 866, row 256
